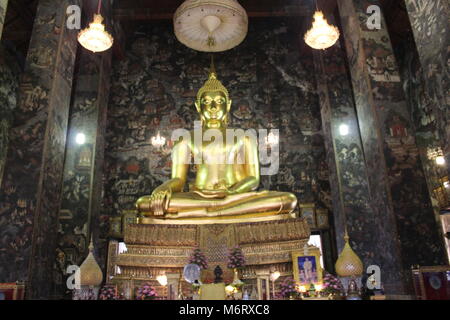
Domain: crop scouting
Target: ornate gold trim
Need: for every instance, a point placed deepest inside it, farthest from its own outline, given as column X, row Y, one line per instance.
column 216, row 220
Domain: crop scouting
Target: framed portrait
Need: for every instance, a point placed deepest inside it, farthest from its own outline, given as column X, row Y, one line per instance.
column 308, row 212
column 12, row 291
column 322, row 218
column 306, row 267
column 432, row 283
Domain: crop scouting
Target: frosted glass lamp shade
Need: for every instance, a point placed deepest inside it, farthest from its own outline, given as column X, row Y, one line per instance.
column 210, row 25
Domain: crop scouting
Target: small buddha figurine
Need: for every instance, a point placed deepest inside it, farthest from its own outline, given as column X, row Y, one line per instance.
column 221, row 190
column 218, row 274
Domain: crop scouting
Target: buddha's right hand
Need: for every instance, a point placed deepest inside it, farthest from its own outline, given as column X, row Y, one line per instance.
column 211, row 194
column 159, row 200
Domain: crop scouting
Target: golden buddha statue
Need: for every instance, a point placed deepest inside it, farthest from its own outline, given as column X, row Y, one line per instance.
column 222, row 191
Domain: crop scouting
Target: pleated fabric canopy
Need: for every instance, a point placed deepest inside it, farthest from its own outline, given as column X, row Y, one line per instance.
column 210, row 25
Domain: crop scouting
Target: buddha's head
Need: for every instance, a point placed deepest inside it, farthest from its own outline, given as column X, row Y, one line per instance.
column 213, row 103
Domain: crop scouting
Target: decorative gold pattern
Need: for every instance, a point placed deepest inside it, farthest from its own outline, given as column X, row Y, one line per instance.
column 270, row 253
column 155, row 249
column 161, row 235
column 283, row 230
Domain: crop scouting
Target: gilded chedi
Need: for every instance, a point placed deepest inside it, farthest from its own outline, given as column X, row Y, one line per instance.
column 90, row 272
column 348, row 263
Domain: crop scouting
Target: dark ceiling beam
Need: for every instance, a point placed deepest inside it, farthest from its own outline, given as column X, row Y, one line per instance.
column 21, row 8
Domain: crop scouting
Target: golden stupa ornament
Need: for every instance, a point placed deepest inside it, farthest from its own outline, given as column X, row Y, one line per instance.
column 90, row 272
column 348, row 263
column 322, row 35
column 210, row 25
column 95, row 38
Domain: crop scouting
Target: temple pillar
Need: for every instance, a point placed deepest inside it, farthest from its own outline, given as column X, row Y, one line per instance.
column 429, row 22
column 355, row 207
column 405, row 218
column 3, row 7
column 83, row 167
column 31, row 186
column 4, row 114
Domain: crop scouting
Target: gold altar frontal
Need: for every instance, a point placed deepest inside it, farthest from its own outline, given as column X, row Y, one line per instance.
column 157, row 247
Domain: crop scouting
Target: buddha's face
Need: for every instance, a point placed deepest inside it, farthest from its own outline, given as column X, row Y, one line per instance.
column 213, row 108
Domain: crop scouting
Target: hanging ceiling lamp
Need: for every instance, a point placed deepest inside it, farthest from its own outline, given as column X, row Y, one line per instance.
column 210, row 25
column 321, row 35
column 95, row 38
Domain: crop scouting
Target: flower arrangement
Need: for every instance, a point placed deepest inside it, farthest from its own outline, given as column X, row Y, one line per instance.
column 146, row 292
column 288, row 288
column 332, row 284
column 236, row 258
column 108, row 292
column 199, row 259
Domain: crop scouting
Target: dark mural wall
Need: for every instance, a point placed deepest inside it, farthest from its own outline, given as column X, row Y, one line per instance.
column 429, row 22
column 31, row 185
column 426, row 124
column 391, row 151
column 154, row 88
column 9, row 82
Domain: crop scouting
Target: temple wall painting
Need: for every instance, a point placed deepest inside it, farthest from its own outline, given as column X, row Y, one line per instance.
column 9, row 82
column 429, row 22
column 353, row 208
column 392, row 156
column 81, row 192
column 79, row 220
column 425, row 122
column 30, row 192
column 154, row 88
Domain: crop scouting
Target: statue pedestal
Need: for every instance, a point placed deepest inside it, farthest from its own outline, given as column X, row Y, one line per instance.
column 153, row 249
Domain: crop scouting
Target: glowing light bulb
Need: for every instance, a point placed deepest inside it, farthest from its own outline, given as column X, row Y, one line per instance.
column 274, row 276
column 344, row 130
column 80, row 138
column 162, row 280
column 440, row 160
column 322, row 35
column 95, row 38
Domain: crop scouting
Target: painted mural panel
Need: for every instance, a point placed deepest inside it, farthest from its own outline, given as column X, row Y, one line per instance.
column 82, row 183
column 429, row 22
column 9, row 82
column 395, row 169
column 33, row 171
column 352, row 202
